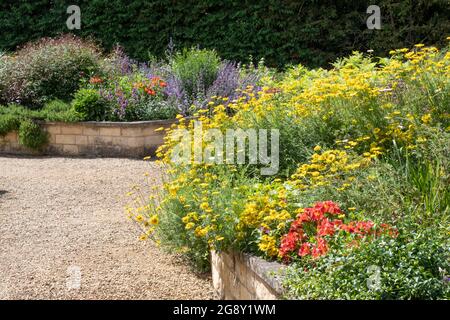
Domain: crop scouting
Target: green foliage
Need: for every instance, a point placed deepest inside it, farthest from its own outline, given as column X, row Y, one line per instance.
column 31, row 135
column 58, row 111
column 19, row 118
column 196, row 69
column 176, row 240
column 412, row 266
column 8, row 123
column 89, row 105
column 155, row 110
column 48, row 69
column 309, row 32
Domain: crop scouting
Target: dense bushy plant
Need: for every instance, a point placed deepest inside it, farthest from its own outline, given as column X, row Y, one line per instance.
column 8, row 123
column 196, row 77
column 50, row 68
column 23, row 120
column 57, row 110
column 90, row 105
column 412, row 266
column 196, row 69
column 31, row 135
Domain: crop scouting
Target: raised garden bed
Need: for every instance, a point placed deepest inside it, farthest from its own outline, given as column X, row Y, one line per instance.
column 240, row 276
column 106, row 139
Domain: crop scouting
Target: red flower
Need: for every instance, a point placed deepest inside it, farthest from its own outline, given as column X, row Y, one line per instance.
column 325, row 228
column 314, row 214
column 328, row 207
column 305, row 249
column 150, row 91
column 320, row 249
column 304, row 217
column 316, row 217
column 289, row 242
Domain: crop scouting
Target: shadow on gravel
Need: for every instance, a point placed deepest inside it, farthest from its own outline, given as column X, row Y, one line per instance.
column 2, row 192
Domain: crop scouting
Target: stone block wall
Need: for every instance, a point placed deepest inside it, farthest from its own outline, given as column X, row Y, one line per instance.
column 239, row 276
column 105, row 139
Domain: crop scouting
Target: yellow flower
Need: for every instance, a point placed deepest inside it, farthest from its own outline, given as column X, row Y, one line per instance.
column 426, row 118
column 154, row 219
column 190, row 225
column 268, row 245
column 143, row 237
column 317, row 148
column 204, row 206
column 421, row 139
column 201, row 232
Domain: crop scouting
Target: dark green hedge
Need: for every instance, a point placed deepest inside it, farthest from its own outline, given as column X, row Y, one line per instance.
column 311, row 32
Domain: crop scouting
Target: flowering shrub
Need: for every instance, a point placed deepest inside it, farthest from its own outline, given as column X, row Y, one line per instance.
column 48, row 69
column 134, row 97
column 320, row 224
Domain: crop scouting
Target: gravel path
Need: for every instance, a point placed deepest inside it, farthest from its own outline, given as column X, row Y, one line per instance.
column 62, row 220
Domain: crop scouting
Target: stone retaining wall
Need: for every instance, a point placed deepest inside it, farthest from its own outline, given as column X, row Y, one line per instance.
column 107, row 139
column 239, row 276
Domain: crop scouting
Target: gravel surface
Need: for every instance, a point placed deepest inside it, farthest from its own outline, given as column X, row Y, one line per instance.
column 64, row 234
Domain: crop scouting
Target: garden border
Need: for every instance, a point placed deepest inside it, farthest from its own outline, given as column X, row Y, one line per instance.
column 94, row 139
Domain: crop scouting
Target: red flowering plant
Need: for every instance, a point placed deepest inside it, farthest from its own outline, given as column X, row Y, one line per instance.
column 316, row 229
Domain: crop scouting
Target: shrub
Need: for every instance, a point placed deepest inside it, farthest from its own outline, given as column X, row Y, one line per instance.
column 155, row 110
column 50, row 68
column 31, row 135
column 8, row 123
column 57, row 110
column 89, row 105
column 19, row 118
column 196, row 70
column 190, row 92
column 412, row 266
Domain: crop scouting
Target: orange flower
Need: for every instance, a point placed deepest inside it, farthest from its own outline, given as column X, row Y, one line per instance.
column 150, row 91
column 95, row 80
column 155, row 80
